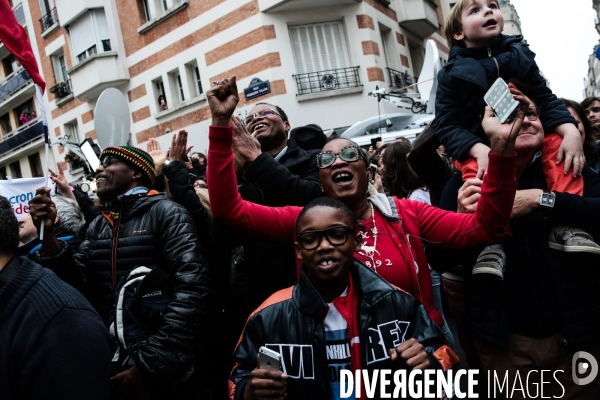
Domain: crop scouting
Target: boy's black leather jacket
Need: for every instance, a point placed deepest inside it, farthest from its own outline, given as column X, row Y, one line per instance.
column 468, row 75
column 293, row 319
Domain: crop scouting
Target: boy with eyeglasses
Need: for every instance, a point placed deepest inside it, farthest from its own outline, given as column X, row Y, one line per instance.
column 339, row 316
column 479, row 55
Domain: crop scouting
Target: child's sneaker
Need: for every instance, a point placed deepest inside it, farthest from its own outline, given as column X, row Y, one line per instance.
column 572, row 240
column 491, row 261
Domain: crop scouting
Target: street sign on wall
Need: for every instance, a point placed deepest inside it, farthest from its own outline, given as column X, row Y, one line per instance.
column 257, row 88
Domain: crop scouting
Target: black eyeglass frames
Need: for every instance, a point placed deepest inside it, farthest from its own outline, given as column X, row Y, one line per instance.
column 336, row 236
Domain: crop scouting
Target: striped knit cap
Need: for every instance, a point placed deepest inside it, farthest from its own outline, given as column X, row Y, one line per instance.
column 136, row 158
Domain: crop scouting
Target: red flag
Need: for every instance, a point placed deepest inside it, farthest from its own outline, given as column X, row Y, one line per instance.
column 14, row 37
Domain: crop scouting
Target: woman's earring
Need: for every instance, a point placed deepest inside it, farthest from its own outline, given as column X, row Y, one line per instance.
column 322, row 189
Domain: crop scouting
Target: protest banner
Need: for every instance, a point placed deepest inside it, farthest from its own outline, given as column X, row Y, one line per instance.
column 20, row 191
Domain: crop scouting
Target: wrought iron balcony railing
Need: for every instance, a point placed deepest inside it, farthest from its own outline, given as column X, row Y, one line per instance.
column 14, row 82
column 18, row 138
column 49, row 19
column 61, row 89
column 322, row 81
column 396, row 79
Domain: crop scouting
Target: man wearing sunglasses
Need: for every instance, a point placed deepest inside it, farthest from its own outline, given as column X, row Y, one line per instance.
column 339, row 316
column 139, row 227
column 272, row 170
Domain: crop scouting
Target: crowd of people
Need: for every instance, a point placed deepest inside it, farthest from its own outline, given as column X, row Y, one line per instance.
column 170, row 283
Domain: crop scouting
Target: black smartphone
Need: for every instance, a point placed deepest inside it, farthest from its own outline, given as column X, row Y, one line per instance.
column 374, row 142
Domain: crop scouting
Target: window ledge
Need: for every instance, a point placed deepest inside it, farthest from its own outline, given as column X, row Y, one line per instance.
column 90, row 59
column 64, row 100
column 181, row 106
column 167, row 14
column 328, row 93
column 50, row 29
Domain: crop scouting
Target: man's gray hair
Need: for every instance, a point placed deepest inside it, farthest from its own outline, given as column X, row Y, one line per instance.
column 71, row 218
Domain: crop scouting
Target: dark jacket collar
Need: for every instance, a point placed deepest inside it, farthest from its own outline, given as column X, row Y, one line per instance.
column 369, row 286
column 295, row 155
column 134, row 204
column 465, row 63
column 459, row 51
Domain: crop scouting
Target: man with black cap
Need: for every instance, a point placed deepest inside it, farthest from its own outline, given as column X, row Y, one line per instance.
column 138, row 227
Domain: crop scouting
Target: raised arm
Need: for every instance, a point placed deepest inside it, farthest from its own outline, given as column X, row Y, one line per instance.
column 489, row 224
column 226, row 203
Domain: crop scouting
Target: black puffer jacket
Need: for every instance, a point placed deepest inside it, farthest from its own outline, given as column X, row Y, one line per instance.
column 152, row 230
column 469, row 74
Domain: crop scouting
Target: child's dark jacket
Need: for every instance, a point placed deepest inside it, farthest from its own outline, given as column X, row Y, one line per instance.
column 468, row 75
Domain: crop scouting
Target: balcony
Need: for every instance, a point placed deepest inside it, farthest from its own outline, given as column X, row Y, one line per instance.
column 49, row 21
column 26, row 134
column 14, row 89
column 96, row 73
column 397, row 80
column 267, row 6
column 69, row 10
column 419, row 17
column 328, row 83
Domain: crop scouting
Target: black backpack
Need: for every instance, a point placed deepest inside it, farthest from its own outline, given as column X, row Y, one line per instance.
column 140, row 299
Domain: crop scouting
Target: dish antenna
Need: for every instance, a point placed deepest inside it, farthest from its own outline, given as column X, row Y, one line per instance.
column 112, row 119
column 427, row 84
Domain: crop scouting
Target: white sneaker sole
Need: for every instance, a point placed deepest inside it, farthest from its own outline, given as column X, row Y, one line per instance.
column 488, row 270
column 574, row 249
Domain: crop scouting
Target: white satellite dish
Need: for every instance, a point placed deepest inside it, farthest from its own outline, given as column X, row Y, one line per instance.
column 427, row 84
column 112, row 119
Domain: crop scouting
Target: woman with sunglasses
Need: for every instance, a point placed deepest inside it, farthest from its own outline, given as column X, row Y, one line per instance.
column 392, row 230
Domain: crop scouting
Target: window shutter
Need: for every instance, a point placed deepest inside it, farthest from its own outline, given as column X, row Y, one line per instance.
column 82, row 34
column 319, row 47
column 101, row 24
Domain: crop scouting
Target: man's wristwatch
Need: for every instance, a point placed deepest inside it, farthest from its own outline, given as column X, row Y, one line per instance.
column 547, row 200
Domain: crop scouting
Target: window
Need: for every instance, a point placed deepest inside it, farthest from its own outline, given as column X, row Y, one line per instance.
column 35, row 163
column 180, row 89
column 159, row 95
column 60, row 67
column 417, row 56
column 72, row 131
column 319, row 47
column 15, row 170
column 146, row 6
column 46, row 6
column 5, row 125
column 3, row 173
column 89, row 34
column 175, row 88
column 192, row 73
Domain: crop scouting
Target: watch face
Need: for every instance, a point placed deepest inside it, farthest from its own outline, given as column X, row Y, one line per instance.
column 85, row 187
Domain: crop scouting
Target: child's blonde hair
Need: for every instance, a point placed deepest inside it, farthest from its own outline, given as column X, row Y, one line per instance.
column 454, row 21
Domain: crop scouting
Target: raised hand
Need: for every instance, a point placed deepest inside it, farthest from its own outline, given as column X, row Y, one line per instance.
column 245, row 146
column 223, row 99
column 158, row 156
column 179, row 147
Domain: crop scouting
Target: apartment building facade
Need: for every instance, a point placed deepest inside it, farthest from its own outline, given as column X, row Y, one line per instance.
column 319, row 57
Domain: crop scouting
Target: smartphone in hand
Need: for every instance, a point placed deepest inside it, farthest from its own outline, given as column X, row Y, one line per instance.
column 501, row 100
column 269, row 359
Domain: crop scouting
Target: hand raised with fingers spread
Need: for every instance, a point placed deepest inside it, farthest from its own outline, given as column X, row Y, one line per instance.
column 244, row 144
column 179, row 147
column 223, row 99
column 158, row 156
